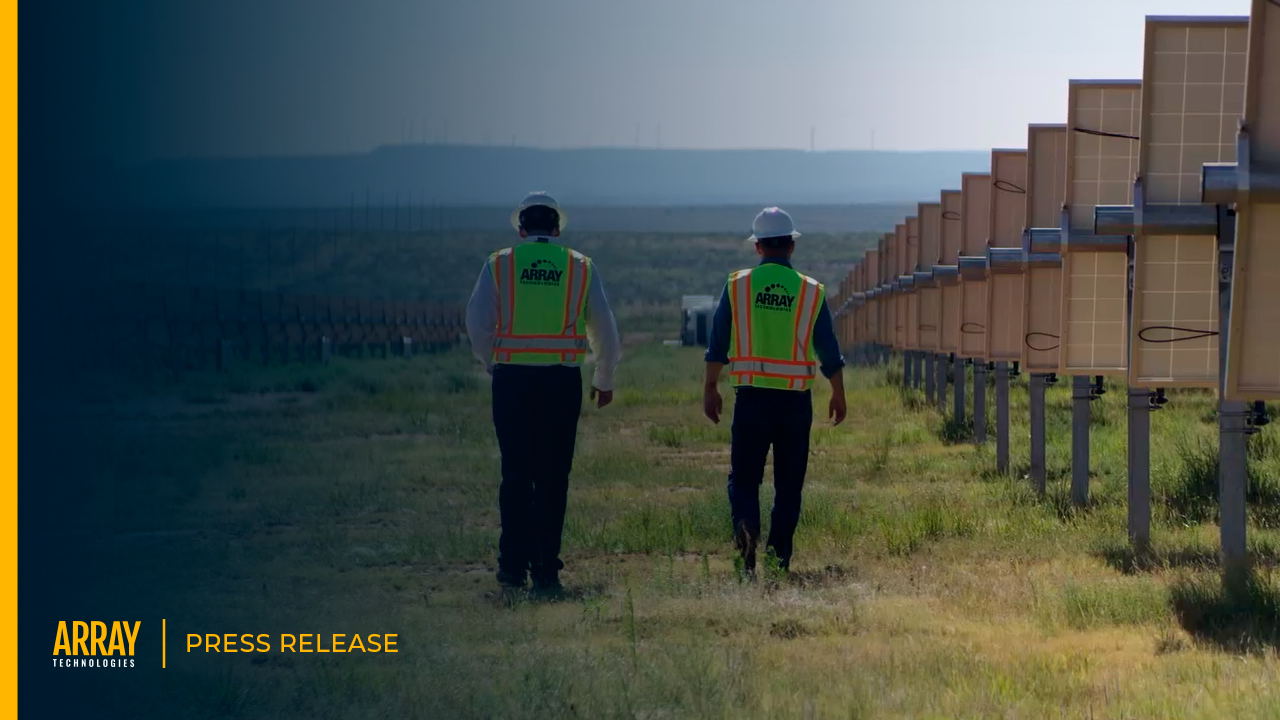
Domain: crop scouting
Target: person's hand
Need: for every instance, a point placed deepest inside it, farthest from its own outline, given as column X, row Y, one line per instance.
column 836, row 409
column 712, row 404
column 601, row 397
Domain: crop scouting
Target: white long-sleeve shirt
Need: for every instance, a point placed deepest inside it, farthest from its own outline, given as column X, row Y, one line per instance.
column 602, row 329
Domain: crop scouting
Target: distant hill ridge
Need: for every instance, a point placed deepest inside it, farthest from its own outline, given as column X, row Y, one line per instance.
column 484, row 175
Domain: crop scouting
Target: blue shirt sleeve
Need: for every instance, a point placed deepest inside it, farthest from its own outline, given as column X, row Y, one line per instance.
column 721, row 326
column 825, row 344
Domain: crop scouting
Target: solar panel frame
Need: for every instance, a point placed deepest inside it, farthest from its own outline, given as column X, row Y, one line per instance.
column 911, row 324
column 1192, row 98
column 975, row 195
column 952, row 219
column 1042, row 280
column 1004, row 337
column 1100, row 171
column 1253, row 343
column 929, row 319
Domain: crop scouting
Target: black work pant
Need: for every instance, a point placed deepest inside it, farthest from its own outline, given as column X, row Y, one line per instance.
column 764, row 417
column 535, row 414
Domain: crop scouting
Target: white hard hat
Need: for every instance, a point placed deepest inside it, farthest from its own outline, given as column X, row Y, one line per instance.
column 534, row 199
column 772, row 222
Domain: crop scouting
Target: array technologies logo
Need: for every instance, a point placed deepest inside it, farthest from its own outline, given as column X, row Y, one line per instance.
column 540, row 272
column 92, row 644
column 775, row 297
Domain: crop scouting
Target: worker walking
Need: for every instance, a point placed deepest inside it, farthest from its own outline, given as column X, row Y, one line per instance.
column 529, row 320
column 770, row 324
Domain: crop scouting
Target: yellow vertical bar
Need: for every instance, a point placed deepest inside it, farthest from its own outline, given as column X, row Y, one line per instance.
column 9, row 367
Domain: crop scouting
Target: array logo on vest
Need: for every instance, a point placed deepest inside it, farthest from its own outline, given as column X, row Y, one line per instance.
column 540, row 272
column 92, row 644
column 775, row 297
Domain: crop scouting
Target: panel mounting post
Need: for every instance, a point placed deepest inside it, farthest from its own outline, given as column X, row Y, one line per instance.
column 1081, row 396
column 929, row 376
column 957, row 379
column 1232, row 427
column 1140, row 468
column 940, row 368
column 917, row 368
column 1002, row 417
column 979, row 401
column 1036, row 388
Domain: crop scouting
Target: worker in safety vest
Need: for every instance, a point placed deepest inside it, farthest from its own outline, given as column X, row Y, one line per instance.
column 534, row 309
column 771, row 324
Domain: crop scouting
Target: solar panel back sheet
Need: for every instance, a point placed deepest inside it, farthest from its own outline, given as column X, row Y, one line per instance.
column 975, row 224
column 1253, row 349
column 1192, row 100
column 912, row 317
column 930, row 297
column 1004, row 289
column 1042, row 281
column 1102, row 160
column 949, row 332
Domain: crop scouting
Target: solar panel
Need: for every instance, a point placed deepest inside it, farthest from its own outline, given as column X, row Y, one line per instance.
column 911, row 318
column 1004, row 286
column 1042, row 279
column 1192, row 100
column 899, row 266
column 872, row 280
column 912, row 253
column 1253, row 344
column 929, row 295
column 952, row 207
column 1102, row 160
column 975, row 224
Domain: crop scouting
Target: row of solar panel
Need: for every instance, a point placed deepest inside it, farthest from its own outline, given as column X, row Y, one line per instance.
column 1009, row 267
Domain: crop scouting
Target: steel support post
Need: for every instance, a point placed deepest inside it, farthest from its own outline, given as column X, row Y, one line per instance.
column 1232, row 427
column 908, row 364
column 1139, row 468
column 1036, row 388
column 1081, row 396
column 979, row 401
column 1002, row 417
column 930, row 377
column 917, row 368
column 957, row 379
column 940, row 367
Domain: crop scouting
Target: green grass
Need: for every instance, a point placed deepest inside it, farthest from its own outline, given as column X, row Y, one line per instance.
column 363, row 496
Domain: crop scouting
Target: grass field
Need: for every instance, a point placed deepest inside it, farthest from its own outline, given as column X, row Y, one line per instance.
column 362, row 497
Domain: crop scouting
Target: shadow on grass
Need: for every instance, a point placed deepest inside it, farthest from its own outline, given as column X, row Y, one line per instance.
column 1238, row 614
column 1128, row 560
column 1192, row 496
column 956, row 432
column 511, row 598
column 828, row 576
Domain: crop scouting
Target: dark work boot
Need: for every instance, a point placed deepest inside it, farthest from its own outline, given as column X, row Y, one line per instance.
column 547, row 583
column 511, row 580
column 746, row 542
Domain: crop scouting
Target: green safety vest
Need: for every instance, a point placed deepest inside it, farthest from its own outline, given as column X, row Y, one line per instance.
column 774, row 311
column 542, row 293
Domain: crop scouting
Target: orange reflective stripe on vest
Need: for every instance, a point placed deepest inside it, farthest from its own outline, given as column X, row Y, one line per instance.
column 774, row 311
column 542, row 291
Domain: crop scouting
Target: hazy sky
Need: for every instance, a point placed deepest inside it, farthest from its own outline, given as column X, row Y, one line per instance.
column 134, row 80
